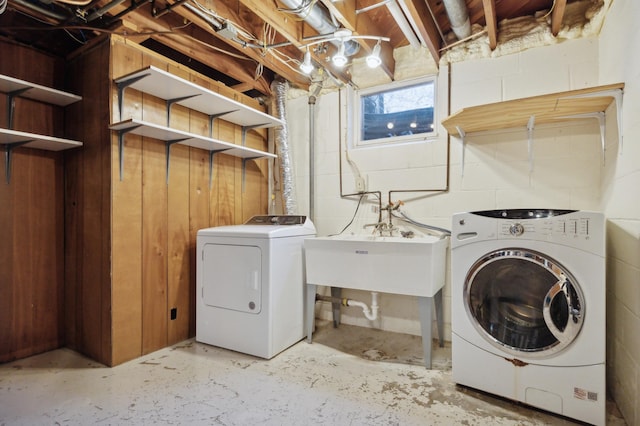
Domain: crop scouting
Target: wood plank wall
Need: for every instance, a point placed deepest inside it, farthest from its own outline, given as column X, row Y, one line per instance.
column 32, row 216
column 142, row 229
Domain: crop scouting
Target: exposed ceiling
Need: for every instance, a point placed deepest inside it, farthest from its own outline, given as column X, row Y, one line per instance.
column 247, row 43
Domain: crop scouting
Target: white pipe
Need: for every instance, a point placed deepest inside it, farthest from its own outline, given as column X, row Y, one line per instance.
column 403, row 24
column 372, row 314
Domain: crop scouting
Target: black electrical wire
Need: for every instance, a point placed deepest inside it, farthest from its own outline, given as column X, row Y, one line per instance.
column 353, row 218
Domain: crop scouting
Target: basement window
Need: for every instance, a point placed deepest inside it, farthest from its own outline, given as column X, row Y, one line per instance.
column 395, row 113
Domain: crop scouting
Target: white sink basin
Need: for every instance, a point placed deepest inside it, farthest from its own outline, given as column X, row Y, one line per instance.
column 411, row 266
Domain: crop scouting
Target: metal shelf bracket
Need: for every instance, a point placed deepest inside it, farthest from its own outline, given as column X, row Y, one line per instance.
column 245, row 129
column 463, row 138
column 212, row 154
column 530, row 127
column 8, row 157
column 167, row 145
column 121, row 134
column 616, row 94
column 244, row 170
column 121, row 87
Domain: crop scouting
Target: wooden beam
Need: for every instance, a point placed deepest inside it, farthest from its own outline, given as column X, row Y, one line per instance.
column 557, row 15
column 241, row 70
column 427, row 27
column 492, row 24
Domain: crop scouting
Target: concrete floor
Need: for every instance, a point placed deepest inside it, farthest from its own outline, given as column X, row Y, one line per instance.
column 348, row 376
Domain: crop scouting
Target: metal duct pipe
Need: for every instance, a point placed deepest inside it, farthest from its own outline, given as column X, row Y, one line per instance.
column 46, row 12
column 459, row 17
column 318, row 19
column 98, row 13
column 279, row 88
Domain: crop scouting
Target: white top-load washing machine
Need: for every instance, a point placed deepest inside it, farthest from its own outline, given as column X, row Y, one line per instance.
column 528, row 308
column 250, row 284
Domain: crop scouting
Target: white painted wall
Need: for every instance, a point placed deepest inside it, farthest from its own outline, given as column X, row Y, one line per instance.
column 619, row 43
column 567, row 173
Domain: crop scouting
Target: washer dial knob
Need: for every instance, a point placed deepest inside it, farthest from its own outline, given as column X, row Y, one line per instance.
column 516, row 229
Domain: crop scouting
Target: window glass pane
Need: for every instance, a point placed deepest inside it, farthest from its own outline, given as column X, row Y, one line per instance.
column 397, row 112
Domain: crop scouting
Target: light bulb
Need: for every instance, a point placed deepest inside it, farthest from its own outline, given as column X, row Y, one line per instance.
column 373, row 60
column 306, row 66
column 340, row 59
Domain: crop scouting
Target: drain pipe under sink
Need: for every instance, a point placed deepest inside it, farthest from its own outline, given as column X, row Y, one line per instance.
column 370, row 314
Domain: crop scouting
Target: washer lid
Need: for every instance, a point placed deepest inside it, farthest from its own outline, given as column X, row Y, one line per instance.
column 270, row 226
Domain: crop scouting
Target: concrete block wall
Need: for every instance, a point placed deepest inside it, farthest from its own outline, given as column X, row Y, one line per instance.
column 619, row 41
column 568, row 172
column 567, row 168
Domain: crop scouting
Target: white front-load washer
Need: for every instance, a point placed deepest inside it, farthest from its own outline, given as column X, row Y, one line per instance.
column 250, row 284
column 528, row 308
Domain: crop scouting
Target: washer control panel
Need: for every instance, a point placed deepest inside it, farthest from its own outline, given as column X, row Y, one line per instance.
column 277, row 220
column 577, row 227
column 525, row 227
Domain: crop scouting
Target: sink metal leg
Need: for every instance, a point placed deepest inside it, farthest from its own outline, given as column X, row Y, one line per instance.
column 336, row 292
column 439, row 317
column 424, row 308
column 310, row 311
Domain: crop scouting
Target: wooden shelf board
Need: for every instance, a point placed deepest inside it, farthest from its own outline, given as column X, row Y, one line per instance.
column 163, row 133
column 516, row 113
column 37, row 92
column 48, row 143
column 165, row 85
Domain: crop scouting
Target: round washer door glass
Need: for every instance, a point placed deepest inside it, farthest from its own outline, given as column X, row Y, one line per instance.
column 524, row 302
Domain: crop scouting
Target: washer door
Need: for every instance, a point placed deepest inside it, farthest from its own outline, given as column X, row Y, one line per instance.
column 524, row 302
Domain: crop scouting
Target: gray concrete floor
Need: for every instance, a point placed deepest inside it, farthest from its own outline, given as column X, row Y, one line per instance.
column 347, row 376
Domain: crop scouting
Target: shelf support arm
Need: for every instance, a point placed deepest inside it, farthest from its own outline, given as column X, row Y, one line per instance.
column 601, row 117
column 530, row 127
column 244, row 170
column 170, row 103
column 121, row 134
column 11, row 104
column 8, row 157
column 123, row 85
column 167, row 145
column 616, row 94
column 245, row 129
column 463, row 138
column 212, row 117
column 212, row 154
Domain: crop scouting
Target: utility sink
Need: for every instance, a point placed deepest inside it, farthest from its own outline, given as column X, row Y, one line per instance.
column 399, row 265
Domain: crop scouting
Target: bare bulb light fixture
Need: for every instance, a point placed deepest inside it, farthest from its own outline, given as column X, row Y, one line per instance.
column 306, row 66
column 340, row 37
column 373, row 60
column 340, row 59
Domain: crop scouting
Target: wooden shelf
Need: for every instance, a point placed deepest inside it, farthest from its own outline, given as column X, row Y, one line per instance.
column 150, row 130
column 550, row 108
column 169, row 87
column 31, row 140
column 12, row 139
column 176, row 90
column 529, row 112
column 36, row 92
column 172, row 136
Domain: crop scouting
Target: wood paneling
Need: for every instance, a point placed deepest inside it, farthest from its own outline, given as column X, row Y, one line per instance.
column 32, row 217
column 87, row 210
column 104, row 260
column 127, row 218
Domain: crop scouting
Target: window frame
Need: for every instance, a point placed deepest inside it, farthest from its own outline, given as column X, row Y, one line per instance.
column 357, row 116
